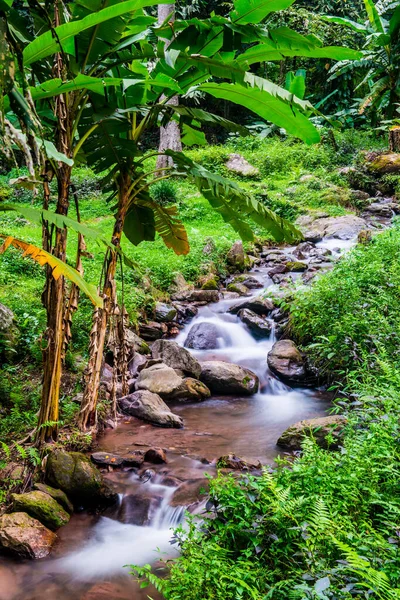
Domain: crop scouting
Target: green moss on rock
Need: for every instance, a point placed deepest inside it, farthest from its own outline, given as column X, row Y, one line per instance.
column 41, row 506
column 58, row 495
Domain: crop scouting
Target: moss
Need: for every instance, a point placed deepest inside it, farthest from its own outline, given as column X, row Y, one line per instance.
column 238, row 288
column 41, row 506
column 296, row 266
column 58, row 495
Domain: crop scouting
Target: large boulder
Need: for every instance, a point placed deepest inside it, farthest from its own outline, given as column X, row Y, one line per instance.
column 41, row 506
column 238, row 164
column 228, row 379
column 149, row 407
column 191, row 390
column 326, row 431
column 345, row 227
column 136, row 510
column 203, row 336
column 176, row 357
column 383, row 164
column 161, row 379
column 73, row 473
column 236, row 257
column 238, row 288
column 259, row 326
column 58, row 495
column 24, row 536
column 152, row 330
column 164, row 313
column 285, row 360
column 257, row 304
column 202, row 296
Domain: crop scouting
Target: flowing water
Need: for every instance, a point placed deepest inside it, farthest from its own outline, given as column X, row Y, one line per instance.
column 88, row 560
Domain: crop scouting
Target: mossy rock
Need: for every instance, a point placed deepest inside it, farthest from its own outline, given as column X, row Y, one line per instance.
column 384, row 164
column 73, row 473
column 296, row 266
column 209, row 282
column 58, row 495
column 238, row 288
column 41, row 506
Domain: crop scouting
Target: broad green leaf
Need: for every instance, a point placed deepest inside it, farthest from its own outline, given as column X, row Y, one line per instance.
column 373, row 16
column 139, row 224
column 52, row 152
column 193, row 137
column 254, row 11
column 169, row 226
column 346, row 22
column 296, row 83
column 395, row 22
column 205, row 117
column 49, row 42
column 58, row 267
column 267, row 105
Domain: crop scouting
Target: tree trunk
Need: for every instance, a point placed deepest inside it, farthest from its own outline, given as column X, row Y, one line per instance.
column 394, row 139
column 101, row 317
column 170, row 136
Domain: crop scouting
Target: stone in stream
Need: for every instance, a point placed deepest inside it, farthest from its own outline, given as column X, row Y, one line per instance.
column 318, row 429
column 236, row 257
column 228, row 379
column 285, row 360
column 164, row 313
column 165, row 381
column 231, row 461
column 157, row 456
column 203, row 336
column 197, row 296
column 382, row 210
column 259, row 326
column 258, row 304
column 190, row 492
column 345, row 227
column 296, row 266
column 41, row 506
column 58, row 495
column 176, row 357
column 152, row 330
column 136, row 510
column 81, row 480
column 238, row 288
column 209, row 282
column 107, row 459
column 249, row 281
column 25, row 536
column 149, row 407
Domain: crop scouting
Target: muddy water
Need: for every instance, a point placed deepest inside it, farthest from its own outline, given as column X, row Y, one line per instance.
column 88, row 560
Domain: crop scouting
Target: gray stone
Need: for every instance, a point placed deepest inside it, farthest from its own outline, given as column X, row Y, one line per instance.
column 203, row 336
column 318, row 429
column 258, row 304
column 149, row 407
column 152, row 330
column 285, row 360
column 259, row 326
column 238, row 164
column 165, row 313
column 176, row 357
column 228, row 379
column 345, row 227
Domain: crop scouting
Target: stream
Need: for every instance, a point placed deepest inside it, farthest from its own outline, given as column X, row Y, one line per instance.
column 87, row 562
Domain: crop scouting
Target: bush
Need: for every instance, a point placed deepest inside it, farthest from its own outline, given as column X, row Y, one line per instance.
column 164, row 192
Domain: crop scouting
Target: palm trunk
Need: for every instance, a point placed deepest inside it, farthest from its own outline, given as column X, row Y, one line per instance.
column 101, row 317
column 170, row 136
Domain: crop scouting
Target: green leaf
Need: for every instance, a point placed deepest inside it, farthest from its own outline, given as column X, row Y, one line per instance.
column 52, row 152
column 168, row 226
column 49, row 42
column 203, row 116
column 139, row 224
column 373, row 16
column 268, row 105
column 296, row 83
column 394, row 24
column 254, row 11
column 346, row 22
column 193, row 137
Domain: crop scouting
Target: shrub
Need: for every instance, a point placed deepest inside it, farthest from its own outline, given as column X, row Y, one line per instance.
column 164, row 192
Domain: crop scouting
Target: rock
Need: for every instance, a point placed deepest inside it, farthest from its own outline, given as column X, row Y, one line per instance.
column 133, row 341
column 24, row 536
column 158, row 379
column 236, row 257
column 209, row 247
column 359, row 196
column 191, row 390
column 104, row 458
column 176, row 357
column 249, row 281
column 107, row 590
column 149, row 407
column 238, row 288
column 380, row 209
column 231, row 461
column 157, row 456
column 258, row 304
column 296, row 266
column 209, row 282
column 258, row 325
column 303, row 250
column 135, row 510
column 6, row 319
column 228, row 379
column 238, row 164
column 318, row 428
column 190, row 491
column 203, row 336
column 345, row 227
column 8, row 334
column 285, row 360
column 58, row 495
column 179, row 284
column 365, row 236
column 278, row 270
column 135, row 364
column 197, row 296
column 164, row 313
column 41, row 506
column 152, row 330
column 383, row 164
column 73, row 473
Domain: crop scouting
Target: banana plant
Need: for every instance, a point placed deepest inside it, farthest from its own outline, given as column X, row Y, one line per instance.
column 380, row 59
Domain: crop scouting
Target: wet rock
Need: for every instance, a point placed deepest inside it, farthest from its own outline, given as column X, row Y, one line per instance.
column 345, row 227
column 318, row 429
column 191, row 390
column 231, row 461
column 159, row 379
column 164, row 313
column 135, row 364
column 274, row 256
column 303, row 250
column 285, row 360
column 58, row 495
column 278, row 270
column 190, row 491
column 74, row 473
column 133, row 459
column 249, row 281
column 197, row 296
column 259, row 326
column 236, row 258
column 106, row 459
column 24, row 536
column 383, row 164
column 149, row 407
column 296, row 266
column 209, row 282
column 238, row 164
column 258, row 304
column 152, row 330
column 176, row 357
column 228, row 379
column 135, row 510
column 203, row 336
column 185, row 311
column 41, row 506
column 157, row 456
column 380, row 209
column 238, row 288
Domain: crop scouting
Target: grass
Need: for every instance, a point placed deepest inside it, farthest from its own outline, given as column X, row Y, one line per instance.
column 326, row 524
